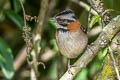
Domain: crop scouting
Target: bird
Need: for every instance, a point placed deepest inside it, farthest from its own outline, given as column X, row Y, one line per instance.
column 70, row 36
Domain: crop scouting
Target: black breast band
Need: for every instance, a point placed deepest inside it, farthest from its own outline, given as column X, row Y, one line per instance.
column 62, row 29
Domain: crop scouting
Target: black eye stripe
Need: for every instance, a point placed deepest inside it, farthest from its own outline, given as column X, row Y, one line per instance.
column 64, row 22
column 64, row 25
column 74, row 17
column 69, row 20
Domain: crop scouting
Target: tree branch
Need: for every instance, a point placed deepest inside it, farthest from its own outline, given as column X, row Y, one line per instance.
column 114, row 63
column 111, row 66
column 98, row 6
column 85, row 6
column 37, row 38
column 19, row 60
column 104, row 38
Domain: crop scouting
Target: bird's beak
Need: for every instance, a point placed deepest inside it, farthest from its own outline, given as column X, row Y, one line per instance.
column 52, row 19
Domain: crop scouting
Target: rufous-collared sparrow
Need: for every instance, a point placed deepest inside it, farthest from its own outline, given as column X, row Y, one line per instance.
column 70, row 37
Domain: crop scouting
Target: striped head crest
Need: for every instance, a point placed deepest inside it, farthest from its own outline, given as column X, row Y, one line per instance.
column 63, row 18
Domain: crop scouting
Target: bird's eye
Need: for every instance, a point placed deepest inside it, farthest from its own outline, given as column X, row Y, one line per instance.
column 62, row 22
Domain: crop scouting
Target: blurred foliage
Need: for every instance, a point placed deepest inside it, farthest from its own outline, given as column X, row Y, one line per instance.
column 83, row 75
column 94, row 20
column 17, row 6
column 6, row 60
column 11, row 23
column 17, row 19
column 52, row 72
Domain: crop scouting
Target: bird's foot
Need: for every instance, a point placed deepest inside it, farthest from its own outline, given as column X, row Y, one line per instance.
column 69, row 67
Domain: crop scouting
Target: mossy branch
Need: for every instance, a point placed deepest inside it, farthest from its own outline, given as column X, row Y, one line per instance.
column 98, row 6
column 107, row 34
column 109, row 70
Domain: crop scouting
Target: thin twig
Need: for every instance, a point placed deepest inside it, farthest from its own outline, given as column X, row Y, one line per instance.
column 23, row 12
column 114, row 62
column 95, row 31
column 37, row 37
column 26, row 34
column 19, row 60
column 86, row 6
column 98, row 6
column 89, row 15
column 29, row 43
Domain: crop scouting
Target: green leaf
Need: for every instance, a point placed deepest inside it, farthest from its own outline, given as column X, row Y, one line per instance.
column 118, row 40
column 6, row 60
column 53, row 24
column 57, row 2
column 83, row 75
column 102, row 53
column 116, row 4
column 94, row 20
column 17, row 5
column 109, row 3
column 55, row 47
column 17, row 19
column 52, row 72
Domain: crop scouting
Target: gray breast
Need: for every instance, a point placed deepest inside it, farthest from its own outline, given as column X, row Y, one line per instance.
column 71, row 44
